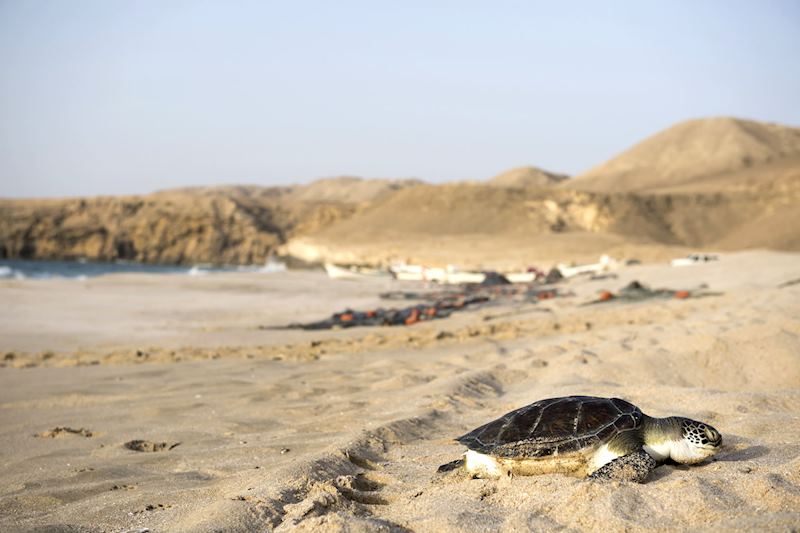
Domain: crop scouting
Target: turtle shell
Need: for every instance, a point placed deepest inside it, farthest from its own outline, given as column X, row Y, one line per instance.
column 554, row 426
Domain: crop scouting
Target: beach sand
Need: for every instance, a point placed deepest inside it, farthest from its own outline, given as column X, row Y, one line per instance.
column 343, row 430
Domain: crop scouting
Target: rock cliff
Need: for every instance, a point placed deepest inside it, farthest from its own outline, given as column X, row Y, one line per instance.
column 225, row 225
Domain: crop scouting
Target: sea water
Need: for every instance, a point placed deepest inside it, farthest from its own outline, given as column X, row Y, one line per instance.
column 24, row 269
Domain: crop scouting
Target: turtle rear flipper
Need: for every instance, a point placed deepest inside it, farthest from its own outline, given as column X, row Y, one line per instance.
column 635, row 467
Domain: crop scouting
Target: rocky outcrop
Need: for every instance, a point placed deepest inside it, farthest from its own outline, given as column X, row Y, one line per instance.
column 217, row 225
column 161, row 228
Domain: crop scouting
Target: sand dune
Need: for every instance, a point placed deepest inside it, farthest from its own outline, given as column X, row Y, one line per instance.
column 349, row 438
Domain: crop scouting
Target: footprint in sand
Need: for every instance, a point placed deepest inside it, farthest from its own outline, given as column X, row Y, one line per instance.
column 361, row 489
column 59, row 431
column 148, row 446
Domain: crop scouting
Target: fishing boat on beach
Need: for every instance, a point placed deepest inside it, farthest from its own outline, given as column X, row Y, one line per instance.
column 450, row 275
column 353, row 272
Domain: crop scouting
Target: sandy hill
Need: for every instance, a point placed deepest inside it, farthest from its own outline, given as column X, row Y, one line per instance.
column 713, row 153
column 228, row 191
column 479, row 225
column 342, row 189
column 349, row 189
column 527, row 177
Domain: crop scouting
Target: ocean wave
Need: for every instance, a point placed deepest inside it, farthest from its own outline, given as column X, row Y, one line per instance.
column 7, row 272
column 197, row 271
column 271, row 266
column 82, row 270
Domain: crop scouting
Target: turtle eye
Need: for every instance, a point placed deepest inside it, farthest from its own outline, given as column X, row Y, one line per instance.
column 713, row 436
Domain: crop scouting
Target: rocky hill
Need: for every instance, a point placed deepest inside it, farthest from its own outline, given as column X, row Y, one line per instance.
column 717, row 183
column 427, row 223
column 349, row 190
column 523, row 177
column 703, row 154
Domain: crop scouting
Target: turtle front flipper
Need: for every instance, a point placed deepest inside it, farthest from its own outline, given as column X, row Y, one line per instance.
column 635, row 466
column 452, row 465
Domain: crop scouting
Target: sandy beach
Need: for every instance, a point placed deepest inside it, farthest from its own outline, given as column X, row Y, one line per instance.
column 265, row 428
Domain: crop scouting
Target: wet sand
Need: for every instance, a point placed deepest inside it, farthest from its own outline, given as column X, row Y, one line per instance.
column 343, row 430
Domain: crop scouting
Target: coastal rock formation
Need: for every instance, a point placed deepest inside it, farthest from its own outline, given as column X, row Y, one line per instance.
column 727, row 184
column 218, row 225
column 153, row 229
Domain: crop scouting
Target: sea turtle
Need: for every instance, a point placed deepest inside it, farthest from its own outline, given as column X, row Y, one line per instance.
column 603, row 438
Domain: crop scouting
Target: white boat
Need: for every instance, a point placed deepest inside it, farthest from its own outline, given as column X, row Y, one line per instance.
column 450, row 275
column 605, row 264
column 353, row 272
column 405, row 272
column 457, row 278
column 521, row 277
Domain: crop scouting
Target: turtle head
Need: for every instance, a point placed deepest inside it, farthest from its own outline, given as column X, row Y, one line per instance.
column 699, row 442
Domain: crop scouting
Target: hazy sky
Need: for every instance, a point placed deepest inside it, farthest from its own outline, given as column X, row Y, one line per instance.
column 109, row 97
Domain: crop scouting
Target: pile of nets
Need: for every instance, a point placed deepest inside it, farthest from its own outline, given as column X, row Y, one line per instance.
column 637, row 292
column 437, row 304
column 405, row 316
